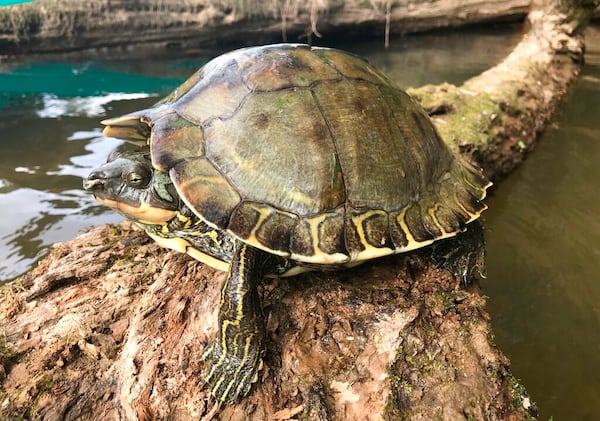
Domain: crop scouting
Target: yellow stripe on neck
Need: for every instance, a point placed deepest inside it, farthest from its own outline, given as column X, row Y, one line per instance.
column 181, row 245
column 143, row 213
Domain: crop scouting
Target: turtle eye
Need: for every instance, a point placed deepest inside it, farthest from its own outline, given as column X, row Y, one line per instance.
column 139, row 177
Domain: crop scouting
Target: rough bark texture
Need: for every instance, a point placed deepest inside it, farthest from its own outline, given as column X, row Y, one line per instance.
column 113, row 326
column 67, row 25
column 109, row 326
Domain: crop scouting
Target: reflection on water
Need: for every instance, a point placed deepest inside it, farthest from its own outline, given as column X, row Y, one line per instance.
column 50, row 139
column 42, row 202
column 544, row 259
column 90, row 106
column 543, row 232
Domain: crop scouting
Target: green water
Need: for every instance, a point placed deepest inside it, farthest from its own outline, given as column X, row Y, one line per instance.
column 542, row 227
column 11, row 2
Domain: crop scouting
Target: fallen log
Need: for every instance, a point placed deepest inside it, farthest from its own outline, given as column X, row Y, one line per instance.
column 109, row 326
column 69, row 25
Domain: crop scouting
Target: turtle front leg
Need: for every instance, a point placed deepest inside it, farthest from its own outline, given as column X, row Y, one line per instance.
column 234, row 359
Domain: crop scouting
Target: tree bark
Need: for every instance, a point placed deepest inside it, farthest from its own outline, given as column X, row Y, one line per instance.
column 70, row 25
column 111, row 327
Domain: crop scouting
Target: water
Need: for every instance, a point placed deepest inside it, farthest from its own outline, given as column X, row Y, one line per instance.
column 542, row 227
column 544, row 259
column 50, row 139
column 11, row 2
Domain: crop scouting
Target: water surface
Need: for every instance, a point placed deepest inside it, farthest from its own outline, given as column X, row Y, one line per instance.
column 50, row 138
column 544, row 259
column 542, row 226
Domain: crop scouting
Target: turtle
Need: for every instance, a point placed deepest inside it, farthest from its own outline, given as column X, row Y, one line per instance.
column 278, row 159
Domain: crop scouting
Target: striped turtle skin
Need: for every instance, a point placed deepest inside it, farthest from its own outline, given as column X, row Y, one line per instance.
column 276, row 159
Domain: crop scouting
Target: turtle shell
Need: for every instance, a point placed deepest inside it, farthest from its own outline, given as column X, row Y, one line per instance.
column 309, row 153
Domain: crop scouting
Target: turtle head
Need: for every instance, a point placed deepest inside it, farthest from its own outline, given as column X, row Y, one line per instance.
column 128, row 183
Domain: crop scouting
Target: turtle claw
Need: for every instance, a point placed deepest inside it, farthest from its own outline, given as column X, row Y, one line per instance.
column 229, row 377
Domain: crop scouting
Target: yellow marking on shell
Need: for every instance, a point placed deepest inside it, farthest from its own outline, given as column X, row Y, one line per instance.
column 487, row 186
column 431, row 212
column 472, row 216
column 413, row 244
column 477, row 215
column 203, row 179
column 313, row 223
column 400, row 219
column 302, row 198
column 143, row 213
column 182, row 246
column 263, row 214
column 460, row 205
column 370, row 251
column 319, row 256
column 483, row 189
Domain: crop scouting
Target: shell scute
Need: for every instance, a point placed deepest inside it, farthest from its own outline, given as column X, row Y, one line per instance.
column 352, row 66
column 377, row 162
column 217, row 94
column 278, row 150
column 174, row 140
column 205, row 190
column 413, row 217
column 320, row 238
column 259, row 223
column 274, row 69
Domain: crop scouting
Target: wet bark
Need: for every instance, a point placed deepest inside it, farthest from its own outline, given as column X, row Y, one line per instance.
column 173, row 25
column 109, row 326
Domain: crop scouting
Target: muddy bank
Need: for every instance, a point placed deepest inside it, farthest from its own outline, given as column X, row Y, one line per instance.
column 71, row 25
